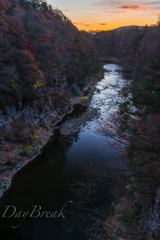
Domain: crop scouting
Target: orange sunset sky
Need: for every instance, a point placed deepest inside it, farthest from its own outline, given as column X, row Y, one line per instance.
column 108, row 14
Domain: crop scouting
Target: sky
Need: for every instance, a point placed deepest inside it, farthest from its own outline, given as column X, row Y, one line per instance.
column 108, row 14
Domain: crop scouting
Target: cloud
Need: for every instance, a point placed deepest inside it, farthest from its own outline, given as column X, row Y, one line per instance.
column 86, row 24
column 132, row 7
column 107, row 3
column 151, row 3
column 125, row 4
column 102, row 24
column 82, row 24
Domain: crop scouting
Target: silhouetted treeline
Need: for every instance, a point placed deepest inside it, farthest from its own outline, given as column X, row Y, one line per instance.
column 39, row 48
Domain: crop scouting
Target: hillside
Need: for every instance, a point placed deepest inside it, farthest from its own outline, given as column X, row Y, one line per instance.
column 40, row 48
column 44, row 61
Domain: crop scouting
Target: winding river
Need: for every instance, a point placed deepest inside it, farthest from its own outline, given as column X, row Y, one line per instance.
column 43, row 182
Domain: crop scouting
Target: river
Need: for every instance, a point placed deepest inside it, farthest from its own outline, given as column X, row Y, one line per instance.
column 44, row 181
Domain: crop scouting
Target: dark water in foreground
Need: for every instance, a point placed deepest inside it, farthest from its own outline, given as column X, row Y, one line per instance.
column 44, row 181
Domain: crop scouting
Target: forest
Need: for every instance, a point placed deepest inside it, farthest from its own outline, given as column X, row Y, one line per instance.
column 138, row 116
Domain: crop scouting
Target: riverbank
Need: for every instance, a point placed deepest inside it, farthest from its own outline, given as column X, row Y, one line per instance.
column 14, row 155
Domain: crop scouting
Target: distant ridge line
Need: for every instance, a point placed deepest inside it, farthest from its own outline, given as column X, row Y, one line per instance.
column 127, row 27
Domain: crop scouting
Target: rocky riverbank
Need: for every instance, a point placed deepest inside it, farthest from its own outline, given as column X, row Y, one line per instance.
column 21, row 140
column 15, row 154
column 133, row 221
column 74, row 125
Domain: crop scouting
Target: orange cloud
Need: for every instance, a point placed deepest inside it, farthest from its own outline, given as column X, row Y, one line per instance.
column 131, row 7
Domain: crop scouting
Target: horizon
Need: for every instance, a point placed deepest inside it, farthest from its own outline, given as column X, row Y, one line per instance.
column 106, row 15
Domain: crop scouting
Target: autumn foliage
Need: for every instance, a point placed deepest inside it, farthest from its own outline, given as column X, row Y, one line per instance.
column 39, row 48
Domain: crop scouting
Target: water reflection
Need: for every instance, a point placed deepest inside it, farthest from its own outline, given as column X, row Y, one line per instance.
column 41, row 182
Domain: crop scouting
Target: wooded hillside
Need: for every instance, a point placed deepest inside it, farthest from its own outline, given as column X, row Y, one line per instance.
column 40, row 47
